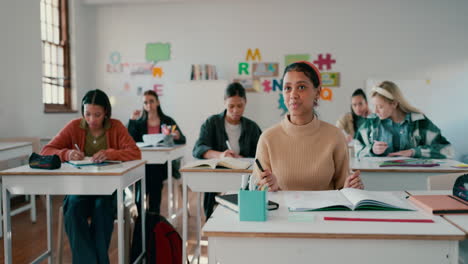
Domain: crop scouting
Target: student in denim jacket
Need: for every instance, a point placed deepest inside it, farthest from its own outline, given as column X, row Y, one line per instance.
column 230, row 125
column 399, row 129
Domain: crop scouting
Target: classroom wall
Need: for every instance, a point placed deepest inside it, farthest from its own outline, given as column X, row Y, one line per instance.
column 21, row 108
column 415, row 40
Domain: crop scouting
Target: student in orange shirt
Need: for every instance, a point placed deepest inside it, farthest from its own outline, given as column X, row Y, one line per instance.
column 99, row 136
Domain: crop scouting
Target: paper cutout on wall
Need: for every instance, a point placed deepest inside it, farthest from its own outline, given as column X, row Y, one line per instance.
column 141, row 68
column 281, row 104
column 330, row 79
column 117, row 68
column 249, row 84
column 253, row 56
column 126, row 87
column 243, row 68
column 114, row 65
column 157, row 71
column 288, row 59
column 158, row 52
column 139, row 90
column 158, row 88
column 264, row 69
column 322, row 62
column 115, row 58
column 267, row 86
column 326, row 94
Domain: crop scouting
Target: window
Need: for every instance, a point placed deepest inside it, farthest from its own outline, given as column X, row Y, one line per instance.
column 56, row 89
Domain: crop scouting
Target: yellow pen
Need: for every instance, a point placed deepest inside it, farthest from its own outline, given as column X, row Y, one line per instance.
column 173, row 128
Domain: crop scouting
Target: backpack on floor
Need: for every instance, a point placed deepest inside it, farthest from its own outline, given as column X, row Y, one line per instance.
column 163, row 243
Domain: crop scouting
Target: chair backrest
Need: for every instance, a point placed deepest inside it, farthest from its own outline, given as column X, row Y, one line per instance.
column 442, row 182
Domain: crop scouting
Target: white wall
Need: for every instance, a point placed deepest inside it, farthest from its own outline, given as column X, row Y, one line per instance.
column 370, row 39
column 21, row 108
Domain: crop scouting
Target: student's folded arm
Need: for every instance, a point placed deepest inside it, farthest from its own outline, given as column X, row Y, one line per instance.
column 61, row 144
column 204, row 142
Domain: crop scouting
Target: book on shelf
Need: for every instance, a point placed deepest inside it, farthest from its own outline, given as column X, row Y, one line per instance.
column 440, row 204
column 231, row 201
column 409, row 163
column 227, row 162
column 345, row 199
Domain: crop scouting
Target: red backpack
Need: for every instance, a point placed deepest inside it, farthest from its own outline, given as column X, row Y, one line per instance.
column 163, row 243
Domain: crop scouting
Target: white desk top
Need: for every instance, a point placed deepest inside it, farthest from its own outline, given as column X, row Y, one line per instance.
column 371, row 164
column 162, row 148
column 282, row 223
column 13, row 145
column 67, row 169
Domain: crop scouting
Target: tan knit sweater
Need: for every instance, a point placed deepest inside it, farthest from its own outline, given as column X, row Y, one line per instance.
column 308, row 157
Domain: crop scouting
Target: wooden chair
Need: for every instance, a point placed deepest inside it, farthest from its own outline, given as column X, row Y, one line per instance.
column 442, row 182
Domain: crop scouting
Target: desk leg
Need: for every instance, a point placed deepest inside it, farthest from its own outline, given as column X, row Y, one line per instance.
column 184, row 221
column 6, row 225
column 33, row 208
column 198, row 251
column 49, row 225
column 143, row 216
column 1, row 213
column 120, row 208
column 170, row 189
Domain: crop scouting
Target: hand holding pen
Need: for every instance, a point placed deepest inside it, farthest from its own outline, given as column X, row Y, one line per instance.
column 267, row 178
column 75, row 154
column 229, row 152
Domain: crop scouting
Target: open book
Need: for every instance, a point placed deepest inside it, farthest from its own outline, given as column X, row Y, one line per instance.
column 230, row 163
column 409, row 163
column 230, row 201
column 345, row 199
column 93, row 166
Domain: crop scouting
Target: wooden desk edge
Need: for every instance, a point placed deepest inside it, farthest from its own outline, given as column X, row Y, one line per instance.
column 18, row 146
column 78, row 172
column 163, row 149
column 457, row 226
column 216, row 170
column 334, row 236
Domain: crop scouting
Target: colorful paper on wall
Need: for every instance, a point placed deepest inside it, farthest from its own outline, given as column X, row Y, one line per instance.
column 264, row 69
column 288, row 59
column 330, row 79
column 158, row 52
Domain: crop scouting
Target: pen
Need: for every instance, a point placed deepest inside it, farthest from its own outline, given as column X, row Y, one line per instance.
column 173, row 128
column 228, row 145
column 77, row 148
column 259, row 165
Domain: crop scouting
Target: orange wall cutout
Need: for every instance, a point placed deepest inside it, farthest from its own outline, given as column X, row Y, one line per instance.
column 252, row 56
column 157, row 71
column 326, row 94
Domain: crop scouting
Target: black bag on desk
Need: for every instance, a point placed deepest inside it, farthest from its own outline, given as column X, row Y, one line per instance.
column 51, row 162
column 460, row 188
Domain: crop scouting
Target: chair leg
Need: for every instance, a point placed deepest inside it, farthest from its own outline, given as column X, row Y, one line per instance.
column 127, row 233
column 60, row 232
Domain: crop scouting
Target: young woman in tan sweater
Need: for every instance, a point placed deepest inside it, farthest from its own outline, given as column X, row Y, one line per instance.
column 303, row 152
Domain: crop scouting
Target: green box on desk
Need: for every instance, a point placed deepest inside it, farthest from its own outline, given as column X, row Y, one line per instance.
column 252, row 205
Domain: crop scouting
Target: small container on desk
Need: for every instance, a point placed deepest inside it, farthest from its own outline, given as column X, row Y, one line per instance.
column 252, row 205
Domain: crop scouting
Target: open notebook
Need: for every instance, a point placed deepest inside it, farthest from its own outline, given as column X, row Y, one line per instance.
column 345, row 199
column 230, row 163
column 105, row 165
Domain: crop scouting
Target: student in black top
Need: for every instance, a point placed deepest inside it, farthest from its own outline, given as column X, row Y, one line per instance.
column 228, row 126
column 151, row 121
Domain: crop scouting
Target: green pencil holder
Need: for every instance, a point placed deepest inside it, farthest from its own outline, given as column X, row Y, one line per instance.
column 252, row 205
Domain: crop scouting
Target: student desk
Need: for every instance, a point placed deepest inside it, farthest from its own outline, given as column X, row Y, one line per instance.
column 458, row 220
column 161, row 155
column 70, row 180
column 206, row 180
column 377, row 178
column 12, row 150
column 286, row 239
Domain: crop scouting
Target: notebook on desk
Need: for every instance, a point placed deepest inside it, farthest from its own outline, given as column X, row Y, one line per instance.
column 440, row 204
column 231, row 201
column 409, row 163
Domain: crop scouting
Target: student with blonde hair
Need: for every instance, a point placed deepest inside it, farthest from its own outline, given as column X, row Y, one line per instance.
column 399, row 129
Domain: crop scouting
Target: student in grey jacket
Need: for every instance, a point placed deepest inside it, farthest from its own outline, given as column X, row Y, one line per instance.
column 227, row 134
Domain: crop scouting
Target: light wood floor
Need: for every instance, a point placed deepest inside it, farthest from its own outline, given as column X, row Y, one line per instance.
column 30, row 240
